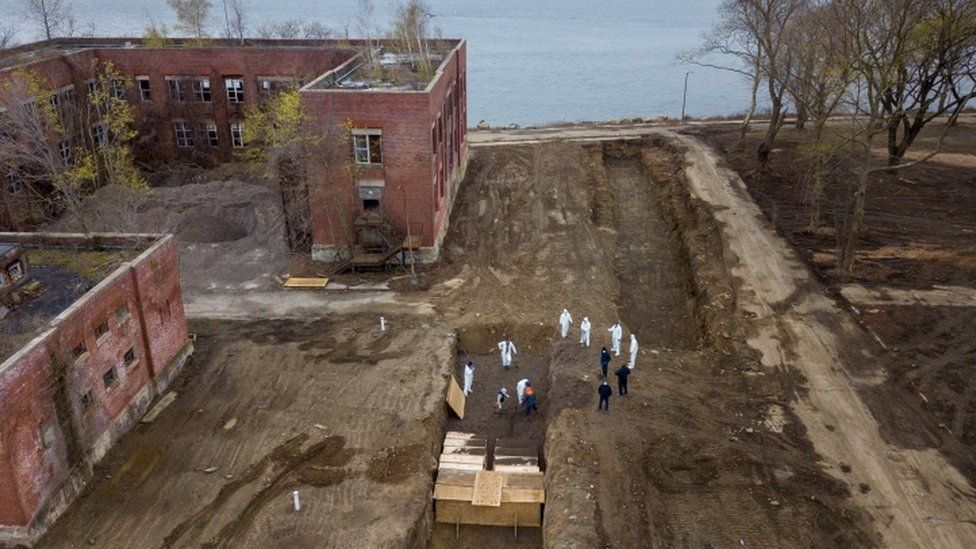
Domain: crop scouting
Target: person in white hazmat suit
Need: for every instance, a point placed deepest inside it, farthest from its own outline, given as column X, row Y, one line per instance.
column 468, row 378
column 520, row 389
column 633, row 351
column 585, row 332
column 565, row 320
column 616, row 334
column 507, row 349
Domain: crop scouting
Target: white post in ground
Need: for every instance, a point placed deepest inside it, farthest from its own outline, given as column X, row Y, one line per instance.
column 382, row 324
column 298, row 503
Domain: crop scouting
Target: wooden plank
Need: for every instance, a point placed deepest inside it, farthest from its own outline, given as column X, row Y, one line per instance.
column 516, row 468
column 508, row 495
column 163, row 403
column 460, row 512
column 470, row 467
column 460, row 434
column 529, row 480
column 466, row 444
column 462, row 458
column 453, row 493
column 524, row 461
column 456, row 478
column 488, row 489
column 297, row 282
column 512, row 452
column 455, row 398
column 466, row 450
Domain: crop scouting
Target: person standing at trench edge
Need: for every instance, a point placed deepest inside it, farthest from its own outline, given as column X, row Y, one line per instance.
column 530, row 401
column 622, row 373
column 604, row 361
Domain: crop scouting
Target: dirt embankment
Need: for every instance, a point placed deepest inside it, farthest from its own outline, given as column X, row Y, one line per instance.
column 703, row 450
column 230, row 234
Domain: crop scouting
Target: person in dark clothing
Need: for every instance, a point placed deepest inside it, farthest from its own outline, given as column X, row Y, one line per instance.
column 530, row 401
column 605, row 391
column 622, row 374
column 604, row 361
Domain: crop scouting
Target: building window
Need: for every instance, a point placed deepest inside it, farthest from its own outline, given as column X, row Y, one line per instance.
column 122, row 314
column 367, row 146
column 118, row 89
column 184, row 137
column 101, row 329
column 16, row 271
column 87, row 400
column 208, row 133
column 175, row 89
column 237, row 135
column 48, row 434
column 64, row 147
column 130, row 357
column 108, row 378
column 201, row 90
column 145, row 91
column 79, row 349
column 99, row 135
column 235, row 90
column 90, row 86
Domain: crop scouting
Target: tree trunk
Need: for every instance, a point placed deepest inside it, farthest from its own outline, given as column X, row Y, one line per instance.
column 849, row 246
column 766, row 147
column 752, row 109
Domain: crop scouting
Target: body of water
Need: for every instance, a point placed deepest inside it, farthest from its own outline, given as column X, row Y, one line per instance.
column 529, row 61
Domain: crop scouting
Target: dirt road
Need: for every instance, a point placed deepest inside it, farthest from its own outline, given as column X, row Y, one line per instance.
column 915, row 496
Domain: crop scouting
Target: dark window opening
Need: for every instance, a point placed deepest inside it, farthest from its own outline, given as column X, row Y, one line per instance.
column 130, row 357
column 87, row 400
column 101, row 329
column 108, row 378
column 371, row 205
column 79, row 349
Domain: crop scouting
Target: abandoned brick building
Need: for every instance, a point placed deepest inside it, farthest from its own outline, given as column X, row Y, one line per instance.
column 75, row 380
column 398, row 144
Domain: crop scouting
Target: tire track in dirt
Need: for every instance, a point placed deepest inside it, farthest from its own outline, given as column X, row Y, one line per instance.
column 917, row 499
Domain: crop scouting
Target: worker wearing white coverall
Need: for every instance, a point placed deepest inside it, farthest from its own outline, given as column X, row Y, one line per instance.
column 565, row 320
column 520, row 390
column 633, row 351
column 468, row 378
column 585, row 332
column 616, row 334
column 507, row 349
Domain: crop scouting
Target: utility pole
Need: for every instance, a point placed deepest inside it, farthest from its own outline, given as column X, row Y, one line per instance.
column 684, row 98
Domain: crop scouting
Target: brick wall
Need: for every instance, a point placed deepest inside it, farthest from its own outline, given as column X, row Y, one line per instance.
column 43, row 387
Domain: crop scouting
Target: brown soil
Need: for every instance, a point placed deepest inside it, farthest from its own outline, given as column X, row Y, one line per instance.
column 920, row 231
column 348, row 416
column 609, row 231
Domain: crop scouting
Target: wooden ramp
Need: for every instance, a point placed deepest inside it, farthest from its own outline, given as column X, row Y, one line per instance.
column 466, row 493
column 306, row 283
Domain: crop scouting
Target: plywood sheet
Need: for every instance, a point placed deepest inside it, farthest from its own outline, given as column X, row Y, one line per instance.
column 507, row 514
column 488, row 489
column 296, row 282
column 455, row 398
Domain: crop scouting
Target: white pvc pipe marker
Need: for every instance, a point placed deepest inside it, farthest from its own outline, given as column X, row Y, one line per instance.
column 382, row 324
column 298, row 502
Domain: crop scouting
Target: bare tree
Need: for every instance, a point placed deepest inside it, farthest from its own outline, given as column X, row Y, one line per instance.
column 292, row 29
column 730, row 46
column 8, row 36
column 235, row 12
column 192, row 16
column 411, row 35
column 52, row 17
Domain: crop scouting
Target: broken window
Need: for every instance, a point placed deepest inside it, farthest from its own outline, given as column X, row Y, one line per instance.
column 48, row 434
column 237, row 135
column 366, row 146
column 130, row 357
column 108, row 378
column 90, row 86
column 208, row 133
column 99, row 134
column 235, row 89
column 201, row 90
column 118, row 89
column 122, row 314
column 145, row 91
column 183, row 134
column 176, row 91
column 16, row 271
column 79, row 349
column 87, row 400
column 101, row 329
column 64, row 147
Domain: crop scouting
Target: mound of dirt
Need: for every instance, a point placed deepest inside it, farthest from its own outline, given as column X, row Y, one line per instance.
column 230, row 234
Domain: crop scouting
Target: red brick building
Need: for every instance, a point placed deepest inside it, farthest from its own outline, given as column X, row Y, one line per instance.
column 395, row 165
column 86, row 377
